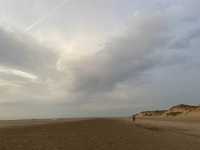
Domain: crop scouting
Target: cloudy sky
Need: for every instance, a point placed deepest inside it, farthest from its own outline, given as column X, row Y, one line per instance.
column 77, row 58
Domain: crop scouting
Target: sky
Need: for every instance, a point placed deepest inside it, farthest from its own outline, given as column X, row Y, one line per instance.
column 86, row 58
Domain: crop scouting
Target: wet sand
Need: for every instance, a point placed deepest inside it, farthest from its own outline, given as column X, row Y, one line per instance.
column 93, row 134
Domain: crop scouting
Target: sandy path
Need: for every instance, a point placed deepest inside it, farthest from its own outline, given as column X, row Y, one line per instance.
column 94, row 134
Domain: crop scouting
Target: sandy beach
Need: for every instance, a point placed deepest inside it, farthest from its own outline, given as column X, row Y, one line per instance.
column 98, row 134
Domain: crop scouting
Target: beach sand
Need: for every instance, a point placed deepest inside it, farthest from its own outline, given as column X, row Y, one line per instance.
column 95, row 134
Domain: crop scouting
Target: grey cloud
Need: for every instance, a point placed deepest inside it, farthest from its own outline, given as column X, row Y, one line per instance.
column 22, row 52
column 126, row 57
column 146, row 66
column 23, row 59
column 149, row 44
column 184, row 41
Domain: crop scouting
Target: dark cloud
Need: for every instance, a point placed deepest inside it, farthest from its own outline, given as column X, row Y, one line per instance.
column 126, row 57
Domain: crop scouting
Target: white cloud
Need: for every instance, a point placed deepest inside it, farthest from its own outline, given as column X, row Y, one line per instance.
column 11, row 71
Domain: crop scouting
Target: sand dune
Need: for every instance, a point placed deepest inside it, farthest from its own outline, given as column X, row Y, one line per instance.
column 93, row 134
column 178, row 111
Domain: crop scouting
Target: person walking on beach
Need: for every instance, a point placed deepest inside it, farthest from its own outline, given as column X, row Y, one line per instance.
column 133, row 118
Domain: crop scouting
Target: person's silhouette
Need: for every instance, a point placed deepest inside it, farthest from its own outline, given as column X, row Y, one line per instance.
column 133, row 118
